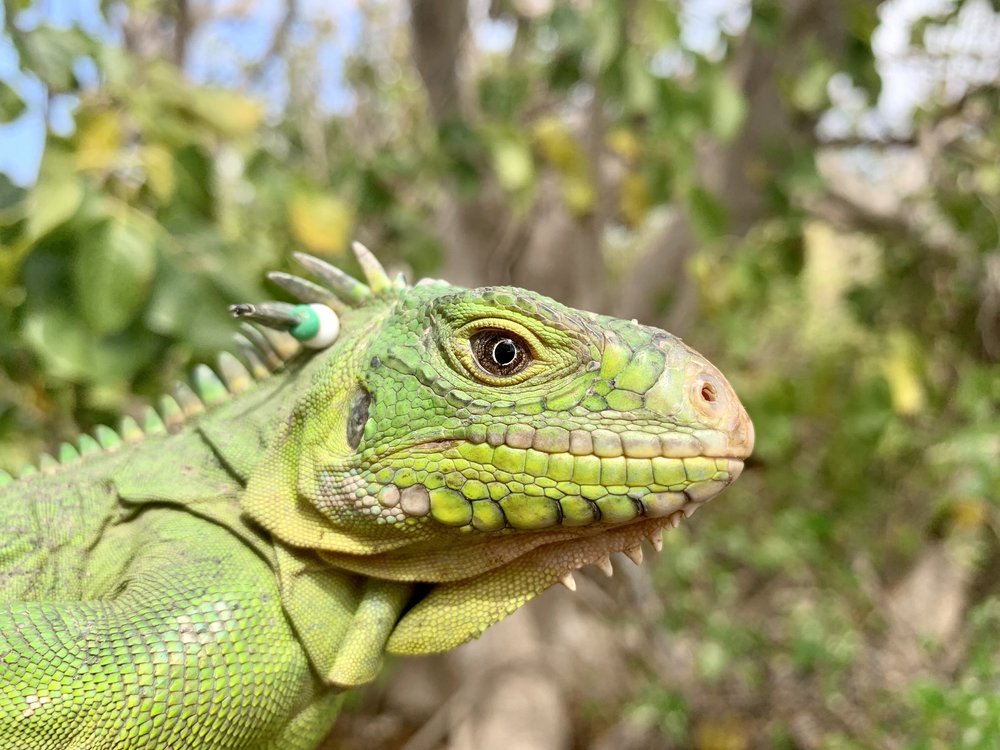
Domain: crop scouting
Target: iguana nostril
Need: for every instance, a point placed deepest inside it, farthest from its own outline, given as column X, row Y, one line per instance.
column 708, row 394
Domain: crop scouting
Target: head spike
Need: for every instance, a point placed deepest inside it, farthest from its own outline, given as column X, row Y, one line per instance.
column 378, row 280
column 27, row 470
column 5, row 478
column 306, row 291
column 237, row 377
column 568, row 580
column 349, row 289
column 209, row 388
column 47, row 464
column 108, row 438
column 277, row 315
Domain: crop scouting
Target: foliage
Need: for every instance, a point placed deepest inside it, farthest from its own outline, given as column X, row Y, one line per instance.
column 864, row 336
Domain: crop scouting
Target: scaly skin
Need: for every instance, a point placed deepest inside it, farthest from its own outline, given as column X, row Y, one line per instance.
column 219, row 584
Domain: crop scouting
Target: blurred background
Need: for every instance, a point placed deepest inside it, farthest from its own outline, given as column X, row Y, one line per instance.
column 808, row 191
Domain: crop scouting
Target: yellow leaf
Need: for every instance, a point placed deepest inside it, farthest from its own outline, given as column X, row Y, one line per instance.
column 557, row 144
column 229, row 112
column 634, row 199
column 578, row 193
column 513, row 164
column 900, row 368
column 322, row 223
column 970, row 514
column 158, row 165
column 623, row 142
column 98, row 140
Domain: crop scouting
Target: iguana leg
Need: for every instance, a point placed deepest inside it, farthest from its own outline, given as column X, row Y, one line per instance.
column 191, row 650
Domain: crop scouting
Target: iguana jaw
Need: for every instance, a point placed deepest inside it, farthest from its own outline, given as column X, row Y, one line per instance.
column 451, row 613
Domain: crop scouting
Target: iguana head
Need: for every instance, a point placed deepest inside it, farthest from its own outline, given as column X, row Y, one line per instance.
column 488, row 442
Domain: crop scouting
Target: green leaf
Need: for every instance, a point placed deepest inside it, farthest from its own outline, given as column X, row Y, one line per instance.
column 51, row 54
column 53, row 203
column 729, row 109
column 809, row 91
column 707, row 214
column 607, row 34
column 515, row 169
column 61, row 341
column 112, row 273
column 71, row 351
column 11, row 105
column 11, row 200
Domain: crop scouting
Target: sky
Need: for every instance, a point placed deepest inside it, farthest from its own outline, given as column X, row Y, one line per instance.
column 220, row 48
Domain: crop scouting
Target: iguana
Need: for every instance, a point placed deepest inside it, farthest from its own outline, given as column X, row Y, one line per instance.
column 218, row 576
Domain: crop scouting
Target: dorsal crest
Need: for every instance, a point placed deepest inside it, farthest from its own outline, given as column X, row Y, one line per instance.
column 266, row 341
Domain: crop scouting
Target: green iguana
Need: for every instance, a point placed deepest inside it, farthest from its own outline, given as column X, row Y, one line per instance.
column 217, row 577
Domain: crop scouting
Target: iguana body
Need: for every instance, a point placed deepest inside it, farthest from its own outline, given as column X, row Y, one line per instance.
column 218, row 582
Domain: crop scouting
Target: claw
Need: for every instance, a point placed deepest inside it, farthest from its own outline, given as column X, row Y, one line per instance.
column 605, row 565
column 568, row 581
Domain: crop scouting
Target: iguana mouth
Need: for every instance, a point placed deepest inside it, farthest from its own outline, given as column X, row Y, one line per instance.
column 529, row 480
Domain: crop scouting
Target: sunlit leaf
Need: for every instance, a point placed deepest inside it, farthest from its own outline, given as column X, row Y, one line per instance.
column 98, row 141
column 606, row 17
column 634, row 200
column 52, row 203
column 231, row 113
column 809, row 90
column 729, row 109
column 557, row 144
column 158, row 164
column 578, row 193
column 624, row 142
column 322, row 223
column 512, row 162
column 11, row 105
column 51, row 54
column 900, row 367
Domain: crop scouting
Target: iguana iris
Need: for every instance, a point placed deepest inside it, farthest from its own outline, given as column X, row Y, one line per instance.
column 216, row 578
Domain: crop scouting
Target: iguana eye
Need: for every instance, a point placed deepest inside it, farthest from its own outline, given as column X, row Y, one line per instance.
column 500, row 353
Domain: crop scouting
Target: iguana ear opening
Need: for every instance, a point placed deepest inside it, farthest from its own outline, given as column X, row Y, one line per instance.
column 358, row 418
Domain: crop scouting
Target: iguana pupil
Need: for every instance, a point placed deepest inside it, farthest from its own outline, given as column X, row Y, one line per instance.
column 358, row 418
column 504, row 352
column 500, row 353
